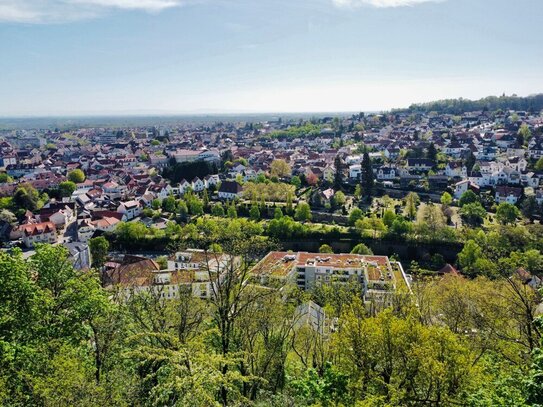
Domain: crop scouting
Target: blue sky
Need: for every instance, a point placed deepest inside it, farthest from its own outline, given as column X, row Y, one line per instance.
column 191, row 56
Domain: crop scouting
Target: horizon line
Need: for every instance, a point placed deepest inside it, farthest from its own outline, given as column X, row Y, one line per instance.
column 201, row 114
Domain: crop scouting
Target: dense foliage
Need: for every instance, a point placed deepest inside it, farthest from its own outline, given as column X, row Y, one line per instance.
column 491, row 103
column 305, row 130
column 65, row 341
column 176, row 172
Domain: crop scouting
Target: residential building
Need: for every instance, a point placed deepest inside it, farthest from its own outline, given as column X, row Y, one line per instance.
column 230, row 190
column 377, row 276
column 33, row 233
column 130, row 209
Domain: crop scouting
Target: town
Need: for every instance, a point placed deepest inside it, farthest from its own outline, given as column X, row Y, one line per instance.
column 68, row 186
column 332, row 221
column 271, row 203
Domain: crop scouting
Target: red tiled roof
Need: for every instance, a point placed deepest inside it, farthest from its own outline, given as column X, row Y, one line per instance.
column 34, row 229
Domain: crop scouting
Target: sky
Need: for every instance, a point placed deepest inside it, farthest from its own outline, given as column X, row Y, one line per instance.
column 87, row 57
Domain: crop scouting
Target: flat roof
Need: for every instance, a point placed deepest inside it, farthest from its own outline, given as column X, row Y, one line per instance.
column 281, row 264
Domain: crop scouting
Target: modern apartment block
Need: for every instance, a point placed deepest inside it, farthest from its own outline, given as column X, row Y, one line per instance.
column 377, row 275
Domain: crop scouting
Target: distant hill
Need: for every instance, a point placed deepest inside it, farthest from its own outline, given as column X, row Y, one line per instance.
column 532, row 103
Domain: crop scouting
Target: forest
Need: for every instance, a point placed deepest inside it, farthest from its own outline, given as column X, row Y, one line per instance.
column 532, row 103
column 66, row 341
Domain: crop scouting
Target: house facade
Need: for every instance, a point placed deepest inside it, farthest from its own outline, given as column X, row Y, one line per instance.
column 230, row 190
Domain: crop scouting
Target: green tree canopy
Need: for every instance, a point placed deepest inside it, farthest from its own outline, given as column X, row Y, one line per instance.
column 361, row 248
column 473, row 214
column 446, row 199
column 76, row 176
column 354, row 215
column 507, row 213
column 66, row 188
column 326, row 249
column 27, row 197
column 467, row 198
column 303, row 212
column 99, row 247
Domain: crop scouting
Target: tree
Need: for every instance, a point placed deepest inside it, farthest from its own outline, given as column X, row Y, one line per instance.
column 8, row 217
column 372, row 223
column 231, row 297
column 446, row 199
column 70, row 303
column 430, row 220
column 412, row 200
column 400, row 227
column 532, row 260
column 173, row 229
column 77, row 176
column 539, row 164
column 534, row 382
column 280, row 169
column 274, row 192
column 182, row 208
column 27, row 197
column 205, row 199
column 5, row 178
column 367, row 177
column 326, row 249
column 388, row 217
column 326, row 389
column 242, row 161
column 311, row 179
column 168, row 204
column 361, row 248
column 339, row 199
column 470, row 253
column 288, row 207
column 470, row 162
column 176, row 172
column 99, row 248
column 303, row 212
column 226, row 156
column 295, row 180
column 378, row 351
column 254, row 213
column 357, row 191
column 507, row 213
column 524, row 132
column 195, row 205
column 529, row 207
column 467, row 198
column 231, row 211
column 217, row 210
column 354, row 215
column 387, row 201
column 66, row 188
column 473, row 214
column 277, row 213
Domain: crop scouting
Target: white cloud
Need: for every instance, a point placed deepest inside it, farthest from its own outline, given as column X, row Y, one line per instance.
column 147, row 5
column 381, row 3
column 54, row 11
